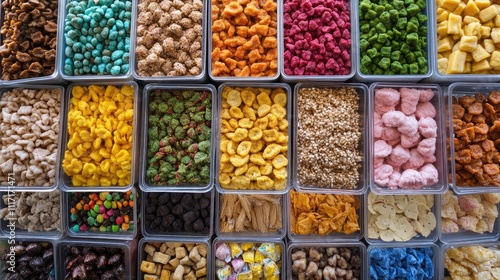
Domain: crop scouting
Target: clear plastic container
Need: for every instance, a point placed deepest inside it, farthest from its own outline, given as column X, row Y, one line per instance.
column 173, row 235
column 366, row 78
column 5, row 248
column 93, row 77
column 332, row 237
column 200, row 78
column 178, row 241
column 418, row 238
column 6, row 228
column 443, row 273
column 217, row 115
column 129, row 253
column 256, row 242
column 436, row 260
column 55, row 77
column 326, row 78
column 458, row 90
column 465, row 235
column 121, row 235
column 65, row 180
column 364, row 273
column 440, row 153
column 247, row 78
column 187, row 187
column 251, row 234
column 62, row 120
column 363, row 145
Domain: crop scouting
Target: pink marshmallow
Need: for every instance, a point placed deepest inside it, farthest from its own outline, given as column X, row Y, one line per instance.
column 393, row 118
column 425, row 110
column 381, row 149
column 426, row 95
column 409, row 126
column 391, row 134
column 382, row 175
column 378, row 126
column 395, row 166
column 429, row 174
column 427, row 147
column 386, row 97
column 394, row 180
column 409, row 100
column 409, row 141
column 394, row 142
column 416, row 160
column 382, row 109
column 411, row 180
column 429, row 159
column 399, row 155
column 427, row 127
column 377, row 162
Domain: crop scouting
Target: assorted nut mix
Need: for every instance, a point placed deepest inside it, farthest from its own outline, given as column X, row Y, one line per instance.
column 253, row 139
column 34, row 211
column 94, row 263
column 244, row 38
column 179, row 137
column 100, row 129
column 323, row 213
column 176, row 261
column 261, row 213
column 476, row 128
column 32, row 260
column 178, row 212
column 29, row 38
column 474, row 212
column 169, row 38
column 328, row 137
column 327, row 263
column 29, row 125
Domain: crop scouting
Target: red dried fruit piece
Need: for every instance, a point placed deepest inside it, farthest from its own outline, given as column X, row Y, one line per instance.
column 494, row 97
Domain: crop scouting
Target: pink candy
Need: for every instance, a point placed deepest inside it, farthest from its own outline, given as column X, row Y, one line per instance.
column 405, row 134
column 317, row 37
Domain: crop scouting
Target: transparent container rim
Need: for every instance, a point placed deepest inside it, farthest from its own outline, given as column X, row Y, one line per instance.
column 430, row 13
column 181, row 235
column 144, row 186
column 288, row 91
column 364, row 177
column 135, row 135
column 204, row 42
column 61, row 44
column 225, row 79
column 252, row 234
column 440, row 187
column 62, row 121
column 450, row 92
column 325, row 78
column 129, row 235
column 333, row 237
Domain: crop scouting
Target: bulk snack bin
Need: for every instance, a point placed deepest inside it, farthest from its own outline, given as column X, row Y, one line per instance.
column 98, row 131
column 475, row 104
column 112, row 258
column 331, row 145
column 172, row 215
column 482, row 259
column 37, row 113
column 115, row 218
column 30, row 50
column 29, row 214
column 178, row 136
column 258, row 153
column 95, row 41
column 166, row 258
column 347, row 258
column 311, row 54
column 39, row 256
column 178, row 54
column 407, row 142
column 338, row 217
column 394, row 41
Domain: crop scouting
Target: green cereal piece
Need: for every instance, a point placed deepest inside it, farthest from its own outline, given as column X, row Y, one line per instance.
column 422, row 29
column 373, row 39
column 365, row 5
column 372, row 52
column 398, row 4
column 390, row 34
column 395, row 55
column 413, row 9
column 421, row 4
column 401, row 24
column 378, row 71
column 370, row 14
column 405, row 48
column 409, row 2
column 402, row 13
column 383, row 37
column 363, row 44
column 410, row 57
column 394, row 14
column 365, row 28
column 414, row 68
column 405, row 69
column 380, row 27
column 422, row 18
column 385, row 17
column 384, row 63
column 385, row 51
column 411, row 27
column 396, row 66
column 412, row 38
column 422, row 61
column 366, row 60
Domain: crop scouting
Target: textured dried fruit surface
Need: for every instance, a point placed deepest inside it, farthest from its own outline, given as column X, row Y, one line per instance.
column 33, row 260
column 82, row 262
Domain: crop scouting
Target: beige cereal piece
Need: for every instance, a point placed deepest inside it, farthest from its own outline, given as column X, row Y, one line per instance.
column 150, row 249
column 161, row 258
column 150, row 277
column 165, row 275
column 148, row 267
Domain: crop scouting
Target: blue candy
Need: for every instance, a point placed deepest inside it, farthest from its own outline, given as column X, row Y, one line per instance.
column 402, row 263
